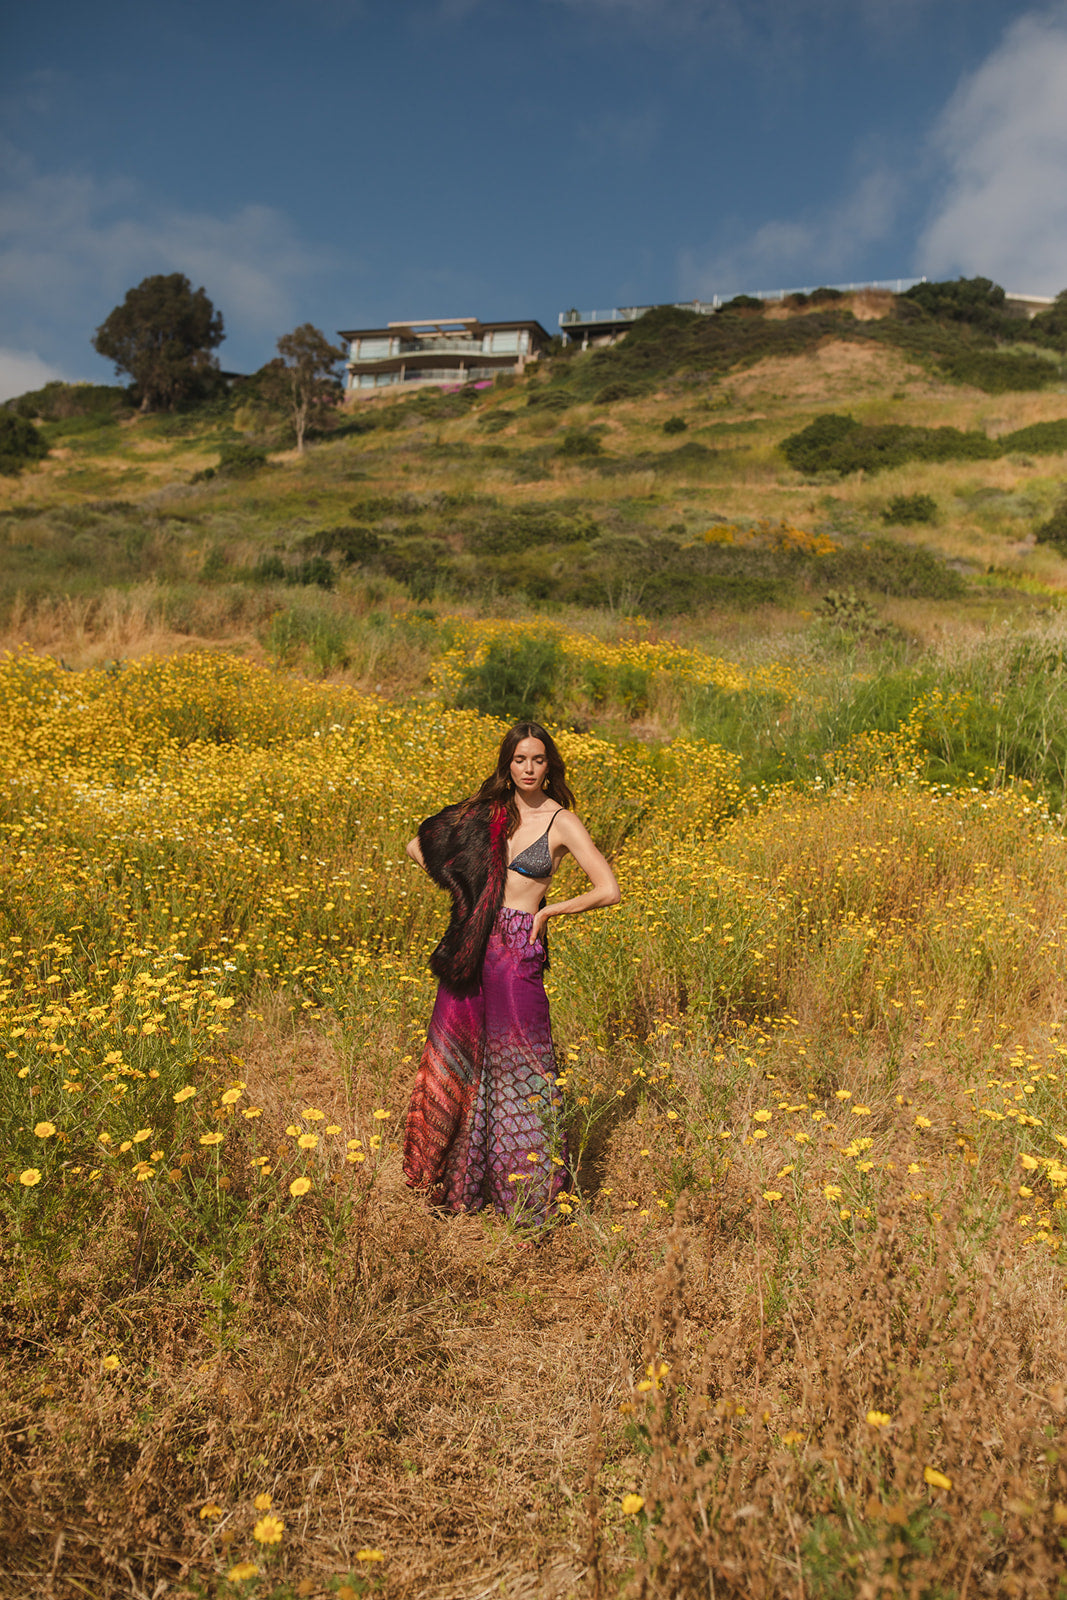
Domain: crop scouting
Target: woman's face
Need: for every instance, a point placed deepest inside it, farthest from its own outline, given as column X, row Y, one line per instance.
column 529, row 766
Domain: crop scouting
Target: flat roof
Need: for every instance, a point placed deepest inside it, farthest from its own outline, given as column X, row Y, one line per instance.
column 443, row 326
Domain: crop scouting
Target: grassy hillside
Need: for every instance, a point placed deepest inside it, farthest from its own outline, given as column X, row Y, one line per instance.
column 558, row 494
column 799, row 1329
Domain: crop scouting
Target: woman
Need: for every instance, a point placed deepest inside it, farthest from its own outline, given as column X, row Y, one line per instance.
column 482, row 1128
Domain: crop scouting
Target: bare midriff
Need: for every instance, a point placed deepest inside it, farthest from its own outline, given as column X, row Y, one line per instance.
column 524, row 894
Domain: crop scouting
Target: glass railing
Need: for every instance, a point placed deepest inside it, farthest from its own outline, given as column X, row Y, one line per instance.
column 431, row 347
column 576, row 319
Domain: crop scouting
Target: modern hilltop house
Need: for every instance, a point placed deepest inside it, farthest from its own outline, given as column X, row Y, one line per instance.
column 453, row 350
column 592, row 328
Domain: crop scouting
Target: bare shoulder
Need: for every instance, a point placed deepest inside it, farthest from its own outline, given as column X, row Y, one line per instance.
column 570, row 829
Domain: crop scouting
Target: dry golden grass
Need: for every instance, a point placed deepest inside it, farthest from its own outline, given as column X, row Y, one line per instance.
column 801, row 1331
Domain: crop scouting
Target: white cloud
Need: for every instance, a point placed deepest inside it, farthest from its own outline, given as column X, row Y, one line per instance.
column 816, row 247
column 1003, row 140
column 70, row 247
column 21, row 370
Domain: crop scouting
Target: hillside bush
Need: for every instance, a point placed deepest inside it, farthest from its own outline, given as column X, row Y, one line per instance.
column 1054, row 531
column 676, row 593
column 836, row 443
column 843, row 612
column 1051, row 326
column 745, row 303
column 1040, row 438
column 669, row 341
column 580, row 443
column 515, row 681
column 616, row 391
column 354, row 543
column 675, row 425
column 496, row 421
column 979, row 302
column 58, row 402
column 20, row 443
column 997, row 372
column 908, row 509
column 238, row 457
column 889, row 568
column 528, row 527
column 417, row 562
column 546, row 397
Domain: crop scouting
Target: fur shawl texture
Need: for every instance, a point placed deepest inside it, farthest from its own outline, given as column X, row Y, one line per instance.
column 465, row 851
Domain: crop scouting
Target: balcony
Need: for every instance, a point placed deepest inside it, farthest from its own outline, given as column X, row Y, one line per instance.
column 427, row 348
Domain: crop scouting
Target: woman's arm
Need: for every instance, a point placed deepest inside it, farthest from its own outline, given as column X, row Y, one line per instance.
column 414, row 850
column 603, row 890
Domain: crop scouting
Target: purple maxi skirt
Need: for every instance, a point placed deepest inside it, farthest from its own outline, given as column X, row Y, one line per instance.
column 483, row 1127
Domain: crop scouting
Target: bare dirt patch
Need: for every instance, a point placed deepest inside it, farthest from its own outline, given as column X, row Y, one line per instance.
column 834, row 370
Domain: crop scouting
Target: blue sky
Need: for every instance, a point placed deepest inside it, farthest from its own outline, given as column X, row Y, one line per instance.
column 349, row 162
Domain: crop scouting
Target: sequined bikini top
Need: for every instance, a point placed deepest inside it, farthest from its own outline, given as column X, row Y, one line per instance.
column 536, row 860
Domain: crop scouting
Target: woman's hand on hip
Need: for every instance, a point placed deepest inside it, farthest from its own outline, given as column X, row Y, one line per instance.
column 540, row 922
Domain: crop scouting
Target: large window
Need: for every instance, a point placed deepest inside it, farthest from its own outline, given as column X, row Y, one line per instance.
column 373, row 350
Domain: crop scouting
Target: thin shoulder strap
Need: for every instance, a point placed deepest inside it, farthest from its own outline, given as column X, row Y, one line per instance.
column 551, row 820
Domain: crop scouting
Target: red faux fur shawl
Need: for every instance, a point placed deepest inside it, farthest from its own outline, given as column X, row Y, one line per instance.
column 465, row 851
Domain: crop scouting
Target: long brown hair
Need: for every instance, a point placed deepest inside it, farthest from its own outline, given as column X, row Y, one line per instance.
column 498, row 789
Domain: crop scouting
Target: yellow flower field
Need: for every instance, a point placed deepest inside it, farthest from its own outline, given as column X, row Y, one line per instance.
column 813, row 1068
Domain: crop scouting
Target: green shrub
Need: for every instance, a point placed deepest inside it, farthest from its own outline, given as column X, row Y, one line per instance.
column 1043, row 438
column 835, row 443
column 620, row 390
column 356, row 545
column 317, row 571
column 908, row 509
column 996, row 372
column 673, row 593
column 547, row 397
column 1054, row 531
column 846, row 613
column 515, row 682
column 675, row 425
column 268, row 569
column 58, row 402
column 528, row 527
column 691, row 454
column 745, row 303
column 238, row 458
column 579, row 443
column 417, row 562
column 20, row 443
column 312, row 630
column 1051, row 326
column 496, row 421
column 892, row 569
column 632, row 688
